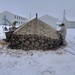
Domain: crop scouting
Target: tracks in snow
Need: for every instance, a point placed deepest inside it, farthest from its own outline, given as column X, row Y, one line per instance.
column 70, row 48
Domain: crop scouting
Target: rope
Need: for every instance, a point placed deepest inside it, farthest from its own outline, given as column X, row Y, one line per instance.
column 68, row 51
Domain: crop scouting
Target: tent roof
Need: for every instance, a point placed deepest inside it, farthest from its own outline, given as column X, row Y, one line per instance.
column 36, row 26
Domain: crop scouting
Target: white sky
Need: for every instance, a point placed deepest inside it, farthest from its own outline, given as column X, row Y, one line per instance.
column 42, row 7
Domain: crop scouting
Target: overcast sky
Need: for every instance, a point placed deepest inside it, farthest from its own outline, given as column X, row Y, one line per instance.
column 42, row 7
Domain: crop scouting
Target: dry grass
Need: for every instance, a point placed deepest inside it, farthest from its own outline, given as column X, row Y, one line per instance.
column 3, row 42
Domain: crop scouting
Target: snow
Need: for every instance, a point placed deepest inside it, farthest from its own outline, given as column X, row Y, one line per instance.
column 20, row 62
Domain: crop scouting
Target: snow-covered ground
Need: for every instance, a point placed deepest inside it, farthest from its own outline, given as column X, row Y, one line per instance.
column 19, row 62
